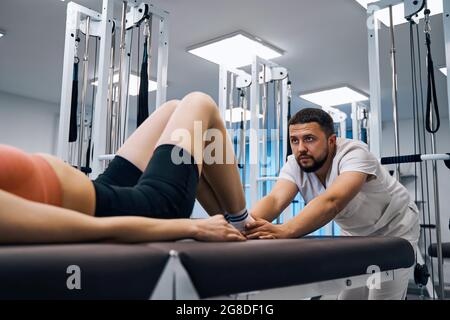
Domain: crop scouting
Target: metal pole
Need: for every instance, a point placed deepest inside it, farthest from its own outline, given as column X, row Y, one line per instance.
column 264, row 130
column 242, row 134
column 374, row 136
column 148, row 28
column 121, row 58
column 72, row 21
column 343, row 129
column 254, row 131
column 110, row 107
column 126, row 87
column 394, row 89
column 99, row 132
column 230, row 100
column 223, row 89
column 84, row 91
column 163, row 59
column 243, row 137
column 278, row 133
column 438, row 220
column 446, row 21
column 278, row 109
column 355, row 122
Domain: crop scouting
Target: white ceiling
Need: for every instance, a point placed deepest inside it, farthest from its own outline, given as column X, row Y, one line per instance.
column 325, row 43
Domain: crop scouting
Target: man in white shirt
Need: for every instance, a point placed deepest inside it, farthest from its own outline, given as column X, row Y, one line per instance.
column 340, row 180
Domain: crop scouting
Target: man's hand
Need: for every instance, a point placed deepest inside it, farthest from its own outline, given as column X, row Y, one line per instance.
column 216, row 229
column 262, row 229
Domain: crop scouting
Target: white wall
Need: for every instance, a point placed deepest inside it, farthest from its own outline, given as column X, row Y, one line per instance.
column 28, row 124
column 406, row 134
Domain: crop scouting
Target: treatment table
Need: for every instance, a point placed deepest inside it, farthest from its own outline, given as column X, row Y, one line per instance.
column 256, row 269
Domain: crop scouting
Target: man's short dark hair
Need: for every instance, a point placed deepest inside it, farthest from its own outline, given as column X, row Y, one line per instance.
column 308, row 115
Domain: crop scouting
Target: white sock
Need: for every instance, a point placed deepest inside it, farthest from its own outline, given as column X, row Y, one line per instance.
column 239, row 220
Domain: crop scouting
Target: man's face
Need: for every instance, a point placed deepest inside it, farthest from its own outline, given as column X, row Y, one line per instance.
column 310, row 145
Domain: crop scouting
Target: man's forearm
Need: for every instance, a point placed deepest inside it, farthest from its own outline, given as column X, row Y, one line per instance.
column 265, row 209
column 315, row 215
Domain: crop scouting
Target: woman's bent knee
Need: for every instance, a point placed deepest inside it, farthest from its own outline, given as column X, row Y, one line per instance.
column 203, row 102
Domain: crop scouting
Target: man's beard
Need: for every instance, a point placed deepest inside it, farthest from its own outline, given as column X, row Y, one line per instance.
column 317, row 163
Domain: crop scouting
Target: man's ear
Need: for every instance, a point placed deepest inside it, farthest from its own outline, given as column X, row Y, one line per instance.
column 332, row 139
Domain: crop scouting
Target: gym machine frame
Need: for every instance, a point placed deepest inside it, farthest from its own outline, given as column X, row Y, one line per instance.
column 253, row 81
column 375, row 119
column 271, row 71
column 102, row 25
column 240, row 80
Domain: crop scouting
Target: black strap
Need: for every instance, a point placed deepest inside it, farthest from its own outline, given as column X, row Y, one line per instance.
column 73, row 132
column 85, row 170
column 431, row 92
column 447, row 164
column 142, row 112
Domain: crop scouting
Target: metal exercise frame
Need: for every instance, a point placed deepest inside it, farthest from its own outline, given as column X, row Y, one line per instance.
column 272, row 72
column 104, row 24
column 375, row 119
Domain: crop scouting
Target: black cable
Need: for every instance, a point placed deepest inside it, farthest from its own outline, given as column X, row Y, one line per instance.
column 422, row 279
column 142, row 110
column 73, row 126
column 432, row 103
column 424, row 151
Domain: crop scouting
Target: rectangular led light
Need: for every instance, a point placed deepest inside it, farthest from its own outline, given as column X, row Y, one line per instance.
column 237, row 115
column 134, row 82
column 334, row 97
column 1, row 34
column 444, row 70
column 398, row 11
column 235, row 50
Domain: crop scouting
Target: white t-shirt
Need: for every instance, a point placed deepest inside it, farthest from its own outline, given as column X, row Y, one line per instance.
column 382, row 207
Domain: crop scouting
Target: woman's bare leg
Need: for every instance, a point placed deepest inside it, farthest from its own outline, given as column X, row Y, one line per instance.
column 207, row 198
column 195, row 114
column 139, row 147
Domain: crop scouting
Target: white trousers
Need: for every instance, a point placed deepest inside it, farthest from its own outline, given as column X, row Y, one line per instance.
column 390, row 290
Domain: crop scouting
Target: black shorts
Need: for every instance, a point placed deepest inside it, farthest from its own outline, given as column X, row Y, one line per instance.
column 164, row 190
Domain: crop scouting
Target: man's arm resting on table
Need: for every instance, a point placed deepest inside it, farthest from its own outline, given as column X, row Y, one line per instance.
column 271, row 206
column 317, row 213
